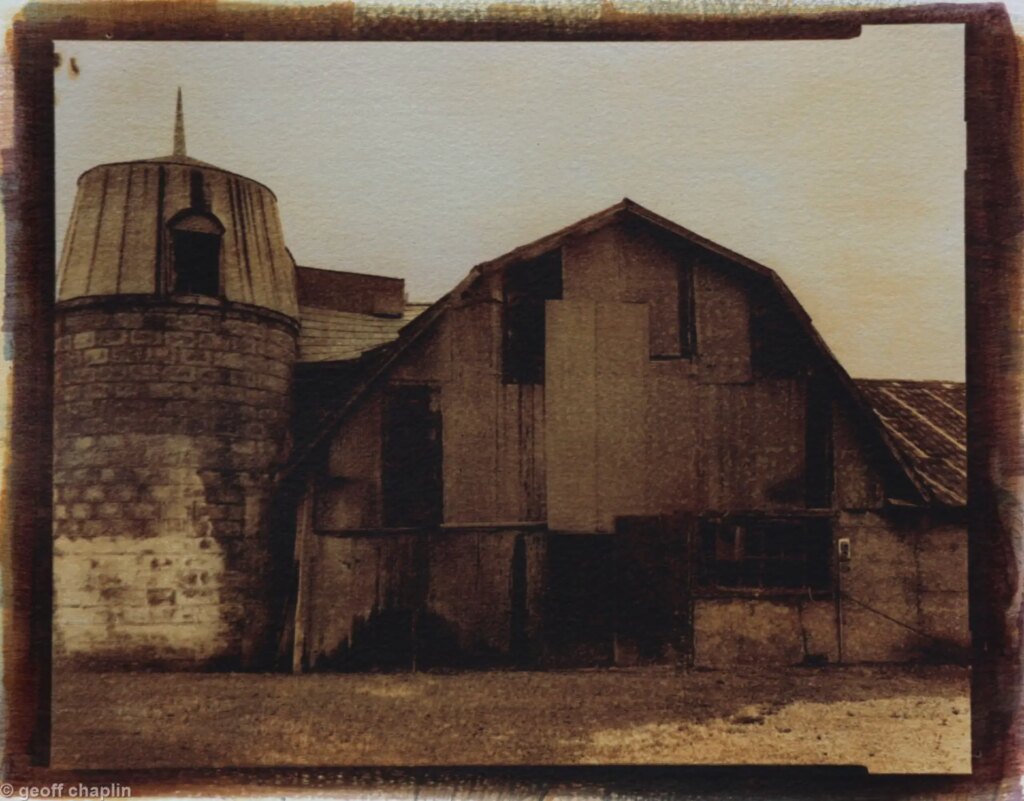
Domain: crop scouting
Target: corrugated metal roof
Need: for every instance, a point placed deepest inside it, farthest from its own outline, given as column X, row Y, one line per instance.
column 327, row 335
column 927, row 421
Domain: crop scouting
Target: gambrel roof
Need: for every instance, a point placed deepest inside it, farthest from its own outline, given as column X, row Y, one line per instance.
column 910, row 484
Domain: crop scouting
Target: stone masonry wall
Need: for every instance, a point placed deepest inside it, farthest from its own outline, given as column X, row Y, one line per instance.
column 168, row 419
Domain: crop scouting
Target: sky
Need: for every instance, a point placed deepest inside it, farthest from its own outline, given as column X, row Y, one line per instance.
column 839, row 164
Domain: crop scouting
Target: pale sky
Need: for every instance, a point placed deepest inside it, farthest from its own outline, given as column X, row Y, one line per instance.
column 837, row 163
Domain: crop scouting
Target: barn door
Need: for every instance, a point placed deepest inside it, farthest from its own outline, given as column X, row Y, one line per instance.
column 653, row 610
column 579, row 598
column 411, row 474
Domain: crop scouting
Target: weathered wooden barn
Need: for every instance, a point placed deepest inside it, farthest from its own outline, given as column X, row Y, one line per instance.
column 621, row 444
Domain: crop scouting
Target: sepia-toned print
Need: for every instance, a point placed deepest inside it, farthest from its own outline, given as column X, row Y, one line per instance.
column 608, row 498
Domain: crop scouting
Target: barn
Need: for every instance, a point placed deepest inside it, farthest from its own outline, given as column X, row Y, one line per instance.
column 621, row 444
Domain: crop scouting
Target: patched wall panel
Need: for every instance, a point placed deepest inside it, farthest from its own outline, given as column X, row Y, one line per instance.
column 622, row 461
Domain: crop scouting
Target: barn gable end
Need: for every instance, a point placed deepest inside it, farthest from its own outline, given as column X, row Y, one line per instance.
column 624, row 381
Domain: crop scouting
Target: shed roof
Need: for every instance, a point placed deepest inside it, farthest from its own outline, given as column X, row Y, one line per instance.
column 927, row 421
column 343, row 290
column 332, row 335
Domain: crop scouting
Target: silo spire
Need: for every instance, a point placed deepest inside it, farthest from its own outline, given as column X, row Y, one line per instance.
column 179, row 128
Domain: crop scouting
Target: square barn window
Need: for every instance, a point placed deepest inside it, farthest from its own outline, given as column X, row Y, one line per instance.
column 769, row 554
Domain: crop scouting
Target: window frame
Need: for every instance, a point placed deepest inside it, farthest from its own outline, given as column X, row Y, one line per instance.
column 709, row 585
column 210, row 227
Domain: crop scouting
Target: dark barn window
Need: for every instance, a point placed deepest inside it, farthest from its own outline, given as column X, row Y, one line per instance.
column 526, row 287
column 818, row 451
column 765, row 554
column 411, row 473
column 195, row 245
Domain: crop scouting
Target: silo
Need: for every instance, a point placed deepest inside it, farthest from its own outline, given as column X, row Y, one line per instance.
column 175, row 343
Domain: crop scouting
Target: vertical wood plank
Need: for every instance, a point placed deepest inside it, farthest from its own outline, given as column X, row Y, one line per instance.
column 537, row 508
column 723, row 326
column 571, row 416
column 672, row 437
column 592, row 266
column 103, row 278
column 303, row 535
column 470, row 404
column 79, row 264
column 621, row 354
column 138, row 270
column 510, row 445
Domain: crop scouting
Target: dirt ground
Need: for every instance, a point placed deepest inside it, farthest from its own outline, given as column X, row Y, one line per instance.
column 889, row 719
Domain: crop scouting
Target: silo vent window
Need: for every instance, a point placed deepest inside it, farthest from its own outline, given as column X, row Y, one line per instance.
column 195, row 243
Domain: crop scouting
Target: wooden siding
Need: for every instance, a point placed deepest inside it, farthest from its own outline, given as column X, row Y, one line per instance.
column 723, row 325
column 349, row 493
column 752, row 445
column 571, row 422
column 652, row 273
column 671, row 431
column 857, row 484
column 329, row 335
column 493, row 432
column 614, row 432
column 421, row 599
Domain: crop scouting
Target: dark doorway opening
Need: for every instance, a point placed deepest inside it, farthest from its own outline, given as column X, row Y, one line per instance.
column 653, row 603
column 411, row 474
column 579, row 607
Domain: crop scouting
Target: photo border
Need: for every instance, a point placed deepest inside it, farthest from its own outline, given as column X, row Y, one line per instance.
column 994, row 343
